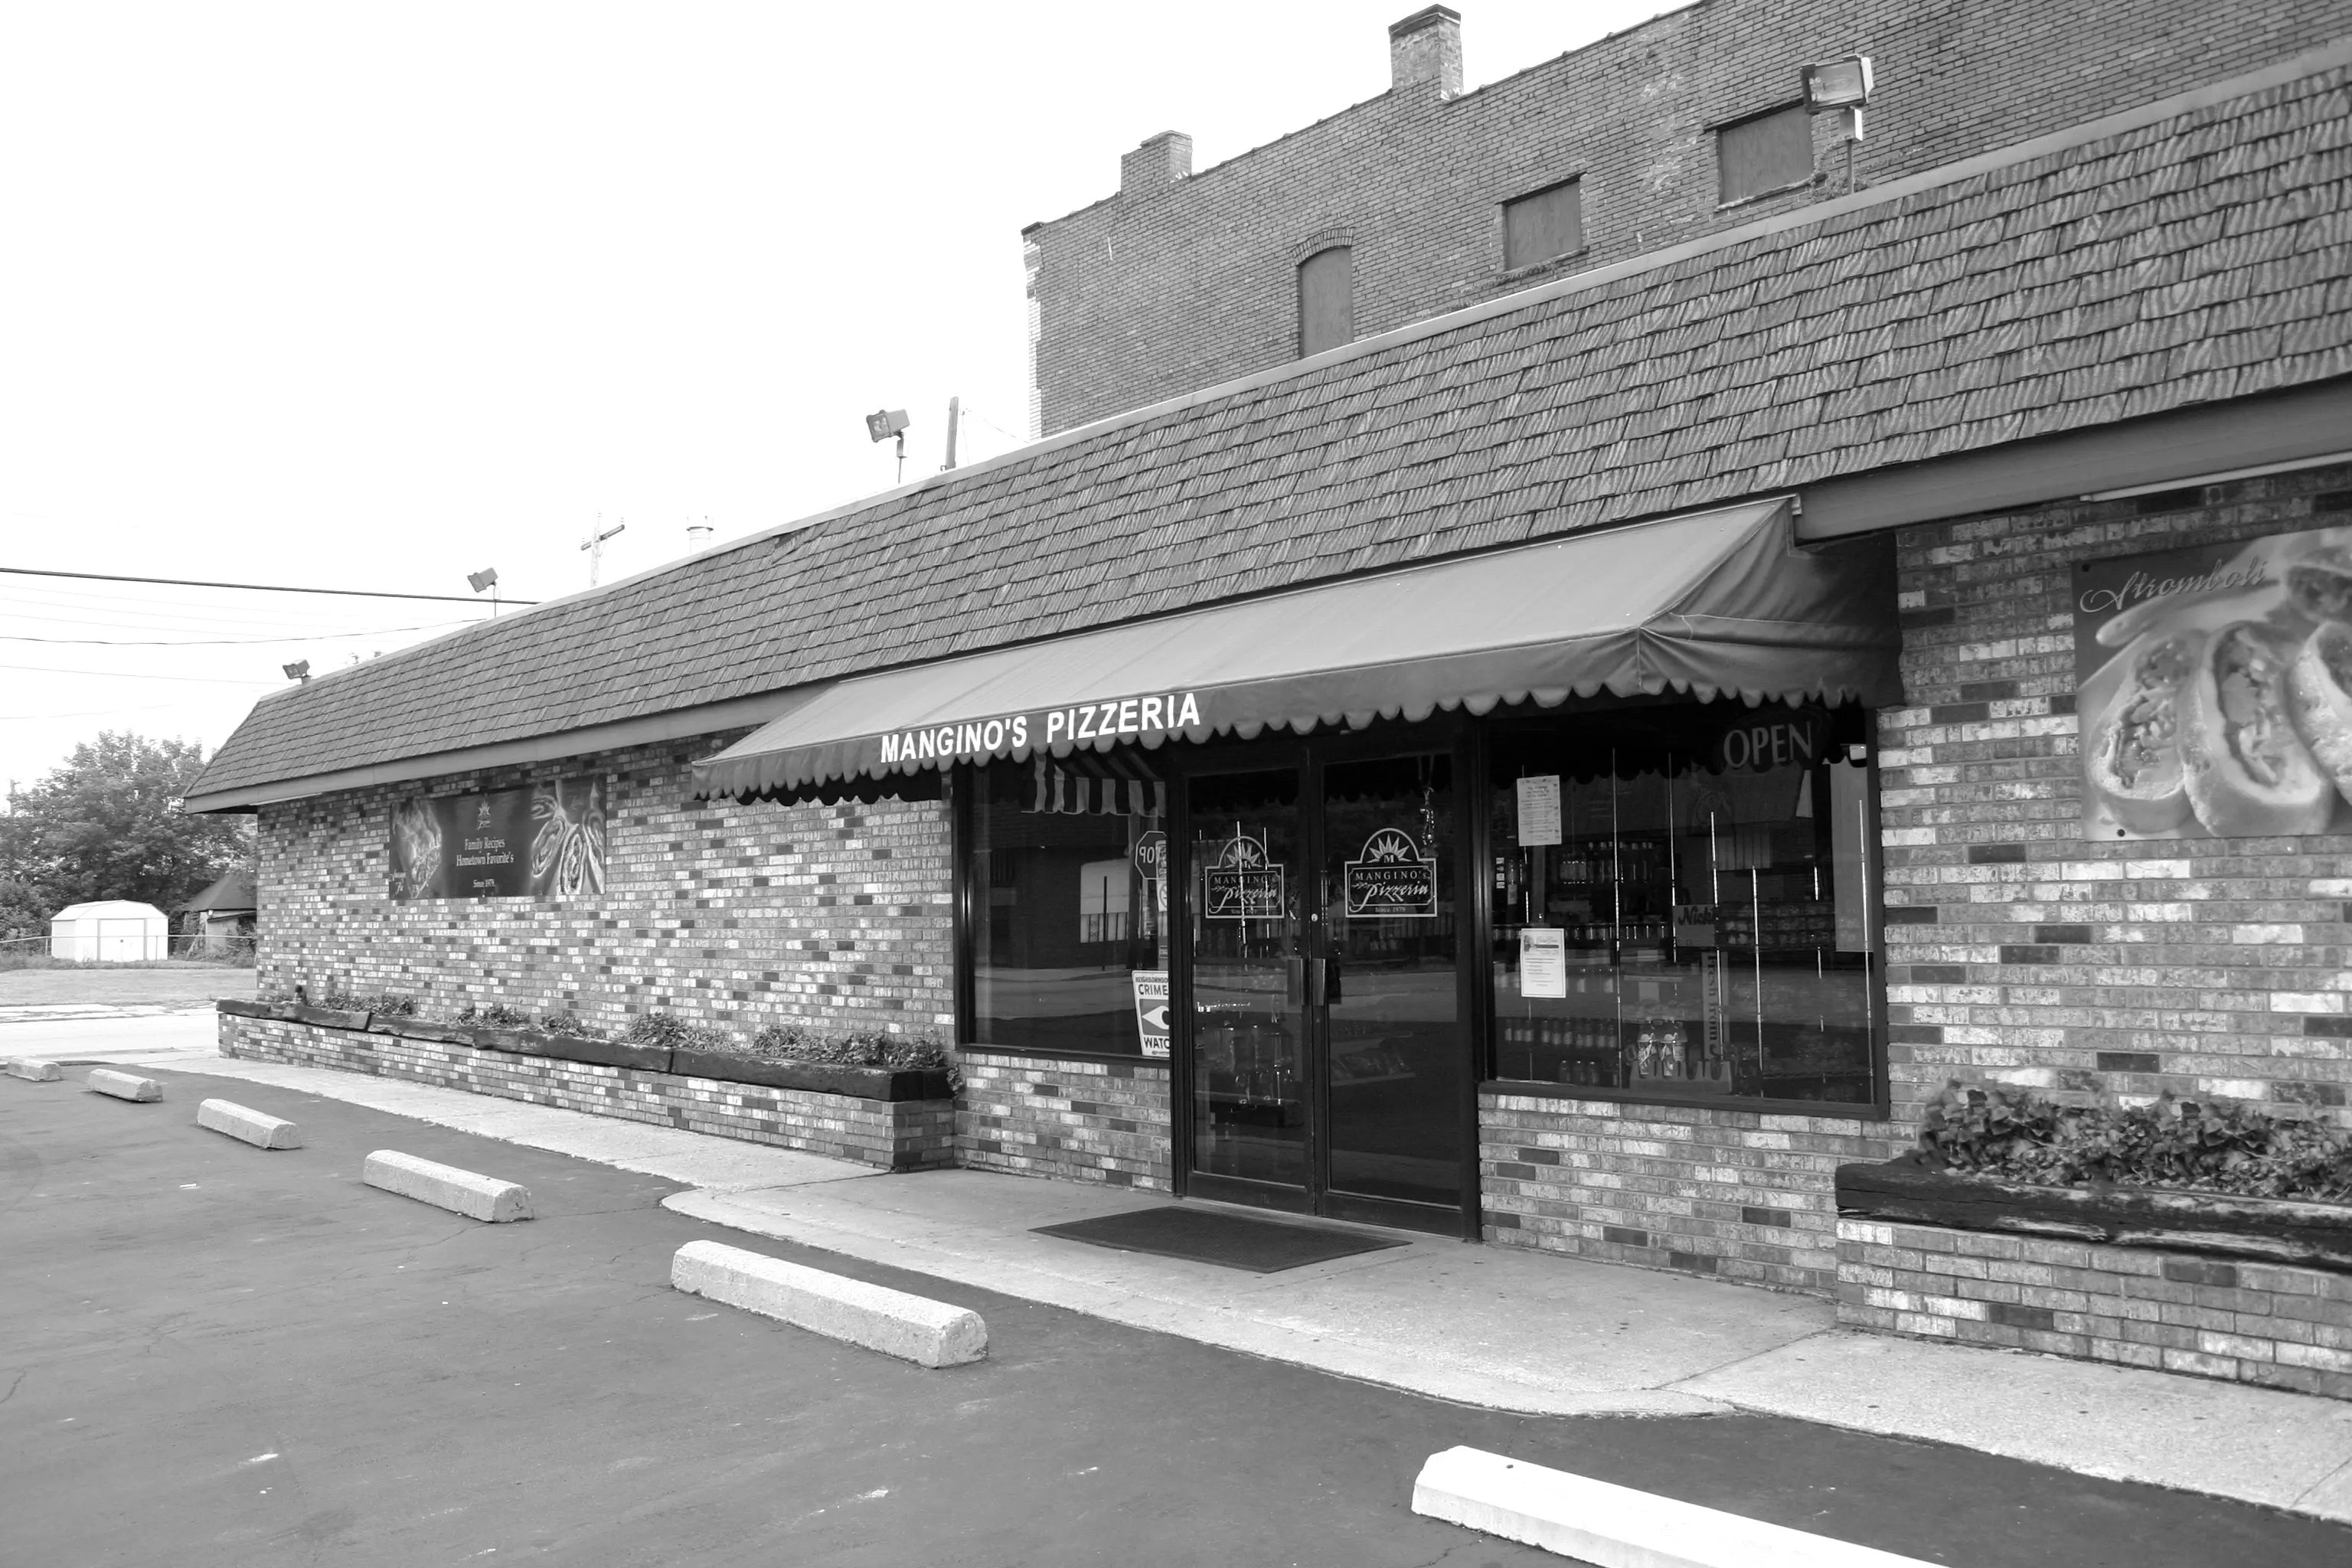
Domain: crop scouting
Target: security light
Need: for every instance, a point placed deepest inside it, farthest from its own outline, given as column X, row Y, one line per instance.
column 298, row 670
column 1839, row 84
column 487, row 577
column 884, row 423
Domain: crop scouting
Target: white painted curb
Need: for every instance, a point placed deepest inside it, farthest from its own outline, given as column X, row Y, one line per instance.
column 445, row 1186
column 263, row 1132
column 32, row 1067
column 1617, row 1527
column 125, row 1086
column 928, row 1333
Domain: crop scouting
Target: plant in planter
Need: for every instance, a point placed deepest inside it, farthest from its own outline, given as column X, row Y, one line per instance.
column 2212, row 1145
column 862, row 1048
column 493, row 1016
column 667, row 1031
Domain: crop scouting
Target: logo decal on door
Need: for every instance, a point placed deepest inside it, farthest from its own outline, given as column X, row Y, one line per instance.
column 1240, row 882
column 1392, row 881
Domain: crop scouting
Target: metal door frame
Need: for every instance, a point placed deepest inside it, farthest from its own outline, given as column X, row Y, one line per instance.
column 1456, row 736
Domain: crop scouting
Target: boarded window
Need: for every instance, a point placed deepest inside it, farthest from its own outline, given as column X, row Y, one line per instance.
column 1769, row 152
column 1326, row 301
column 1542, row 225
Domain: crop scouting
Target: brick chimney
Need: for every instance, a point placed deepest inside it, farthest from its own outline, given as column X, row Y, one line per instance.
column 1427, row 47
column 1163, row 160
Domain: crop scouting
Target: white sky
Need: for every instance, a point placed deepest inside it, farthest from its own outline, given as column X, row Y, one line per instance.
column 372, row 296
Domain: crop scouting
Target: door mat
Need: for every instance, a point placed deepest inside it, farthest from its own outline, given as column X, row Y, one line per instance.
column 1228, row 1240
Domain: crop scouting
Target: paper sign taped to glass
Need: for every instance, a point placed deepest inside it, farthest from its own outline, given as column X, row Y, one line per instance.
column 2214, row 685
column 1151, row 1010
column 1543, row 961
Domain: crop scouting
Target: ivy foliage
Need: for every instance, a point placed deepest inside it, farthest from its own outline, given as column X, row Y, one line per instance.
column 2211, row 1145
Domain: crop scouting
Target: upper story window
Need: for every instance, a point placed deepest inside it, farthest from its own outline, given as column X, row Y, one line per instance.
column 1326, row 301
column 1767, row 152
column 1542, row 226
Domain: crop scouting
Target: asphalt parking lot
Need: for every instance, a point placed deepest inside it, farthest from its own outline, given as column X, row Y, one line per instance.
column 213, row 1354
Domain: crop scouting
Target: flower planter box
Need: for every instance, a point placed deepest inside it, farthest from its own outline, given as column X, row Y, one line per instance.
column 2276, row 1230
column 891, row 1118
column 2250, row 1289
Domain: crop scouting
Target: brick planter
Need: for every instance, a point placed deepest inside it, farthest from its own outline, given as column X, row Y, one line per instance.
column 893, row 1121
column 2184, row 1295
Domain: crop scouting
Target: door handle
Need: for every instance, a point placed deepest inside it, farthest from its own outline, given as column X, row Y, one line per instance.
column 1317, row 980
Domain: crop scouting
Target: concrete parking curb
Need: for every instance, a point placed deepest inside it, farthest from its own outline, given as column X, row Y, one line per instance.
column 912, row 1327
column 256, row 1128
column 125, row 1086
column 1616, row 1527
column 32, row 1068
column 467, row 1193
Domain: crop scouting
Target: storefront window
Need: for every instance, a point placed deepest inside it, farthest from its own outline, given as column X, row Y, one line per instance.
column 1067, row 908
column 1684, row 902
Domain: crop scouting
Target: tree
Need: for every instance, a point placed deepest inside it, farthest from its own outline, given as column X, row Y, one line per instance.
column 107, row 824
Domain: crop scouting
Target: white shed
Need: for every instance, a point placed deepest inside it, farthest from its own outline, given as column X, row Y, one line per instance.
column 111, row 932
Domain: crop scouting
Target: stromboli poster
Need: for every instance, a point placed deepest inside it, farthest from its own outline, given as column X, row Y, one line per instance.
column 547, row 841
column 2214, row 689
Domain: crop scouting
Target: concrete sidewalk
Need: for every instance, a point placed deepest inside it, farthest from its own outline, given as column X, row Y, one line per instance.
column 1483, row 1326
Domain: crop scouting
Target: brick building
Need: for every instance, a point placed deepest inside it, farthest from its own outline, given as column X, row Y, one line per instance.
column 1183, row 279
column 1579, row 766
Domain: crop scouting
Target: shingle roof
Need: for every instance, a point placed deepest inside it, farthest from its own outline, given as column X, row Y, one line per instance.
column 2196, row 258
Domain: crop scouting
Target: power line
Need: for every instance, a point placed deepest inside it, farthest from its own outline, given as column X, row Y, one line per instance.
column 135, row 675
column 251, row 587
column 227, row 642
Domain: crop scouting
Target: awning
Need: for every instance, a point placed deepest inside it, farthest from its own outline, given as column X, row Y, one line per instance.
column 1717, row 604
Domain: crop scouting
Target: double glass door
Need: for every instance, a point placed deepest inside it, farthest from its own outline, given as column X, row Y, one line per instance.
column 1325, row 1041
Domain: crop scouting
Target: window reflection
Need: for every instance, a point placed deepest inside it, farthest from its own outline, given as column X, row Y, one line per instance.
column 1067, row 903
column 1681, row 905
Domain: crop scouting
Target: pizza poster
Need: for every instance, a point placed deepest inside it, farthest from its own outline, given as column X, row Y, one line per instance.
column 2214, row 689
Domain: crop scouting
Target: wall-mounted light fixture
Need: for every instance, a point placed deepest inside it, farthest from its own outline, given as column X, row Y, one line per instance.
column 884, row 423
column 1839, row 84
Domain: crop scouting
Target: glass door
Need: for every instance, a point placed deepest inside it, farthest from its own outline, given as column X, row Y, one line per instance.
column 1395, row 1056
column 1329, row 1057
column 1248, row 1007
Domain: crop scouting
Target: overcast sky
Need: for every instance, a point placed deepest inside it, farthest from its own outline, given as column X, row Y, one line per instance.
column 375, row 296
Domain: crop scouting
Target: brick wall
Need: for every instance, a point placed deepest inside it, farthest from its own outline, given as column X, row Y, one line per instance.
column 725, row 914
column 2249, row 1322
column 1741, row 1196
column 1077, row 1120
column 890, row 1135
column 2021, row 954
column 1149, row 295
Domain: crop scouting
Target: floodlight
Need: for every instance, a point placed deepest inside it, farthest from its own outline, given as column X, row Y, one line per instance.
column 487, row 577
column 298, row 670
column 1839, row 84
column 884, row 423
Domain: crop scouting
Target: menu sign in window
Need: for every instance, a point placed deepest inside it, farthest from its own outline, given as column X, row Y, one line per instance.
column 1392, row 881
column 547, row 841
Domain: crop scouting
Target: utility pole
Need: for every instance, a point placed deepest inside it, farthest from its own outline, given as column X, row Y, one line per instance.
column 594, row 545
column 955, row 413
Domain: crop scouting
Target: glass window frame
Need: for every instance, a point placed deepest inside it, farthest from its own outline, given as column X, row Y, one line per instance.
column 963, row 793
column 1878, row 1108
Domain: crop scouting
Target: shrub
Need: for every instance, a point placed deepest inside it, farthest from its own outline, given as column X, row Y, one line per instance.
column 567, row 1021
column 2212, row 1145
column 858, row 1048
column 495, row 1016
column 668, row 1031
column 388, row 1004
